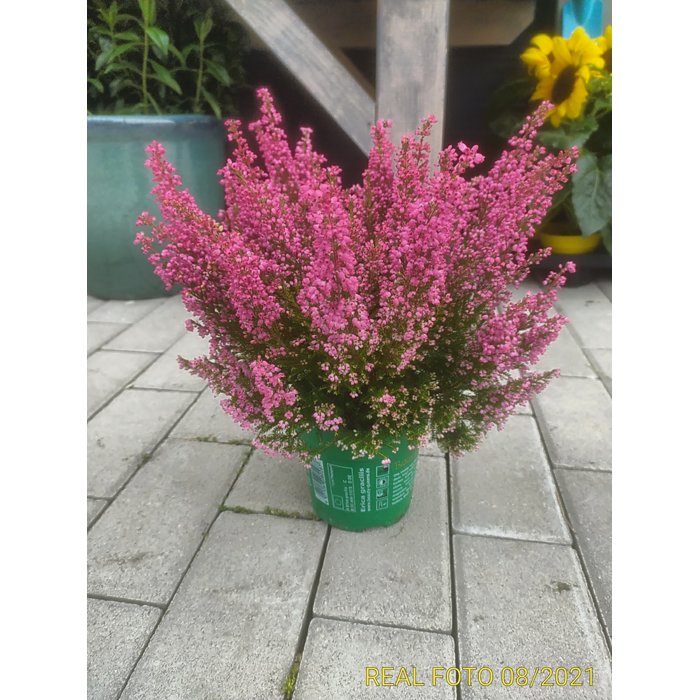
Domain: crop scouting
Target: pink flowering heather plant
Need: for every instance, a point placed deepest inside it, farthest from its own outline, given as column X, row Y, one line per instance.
column 373, row 312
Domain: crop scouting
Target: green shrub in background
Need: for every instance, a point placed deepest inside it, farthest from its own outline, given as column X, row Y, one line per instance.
column 163, row 57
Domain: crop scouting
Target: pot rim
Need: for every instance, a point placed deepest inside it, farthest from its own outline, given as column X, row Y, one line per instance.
column 151, row 119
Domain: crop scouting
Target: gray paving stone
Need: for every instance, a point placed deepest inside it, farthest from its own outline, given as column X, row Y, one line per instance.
column 588, row 500
column 142, row 545
column 605, row 285
column 99, row 333
column 602, row 361
column 93, row 303
column 94, row 507
column 117, row 632
column 431, row 450
column 156, row 331
column 590, row 314
column 575, row 416
column 566, row 355
column 272, row 482
column 124, row 311
column 109, row 372
column 206, row 420
column 525, row 604
column 233, row 626
column 399, row 575
column 338, row 654
column 525, row 410
column 529, row 285
column 165, row 372
column 506, row 489
column 122, row 434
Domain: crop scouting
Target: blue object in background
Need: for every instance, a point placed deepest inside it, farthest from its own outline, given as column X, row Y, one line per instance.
column 582, row 13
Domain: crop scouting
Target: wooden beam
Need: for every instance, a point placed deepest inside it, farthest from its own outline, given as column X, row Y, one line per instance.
column 411, row 64
column 350, row 24
column 317, row 68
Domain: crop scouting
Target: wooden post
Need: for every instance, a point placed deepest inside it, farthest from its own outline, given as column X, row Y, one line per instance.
column 412, row 64
column 325, row 75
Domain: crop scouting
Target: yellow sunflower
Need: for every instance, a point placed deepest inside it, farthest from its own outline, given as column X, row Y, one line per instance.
column 562, row 71
column 605, row 45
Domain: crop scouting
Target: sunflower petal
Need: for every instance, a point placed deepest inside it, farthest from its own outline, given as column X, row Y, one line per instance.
column 561, row 52
column 543, row 91
column 543, row 42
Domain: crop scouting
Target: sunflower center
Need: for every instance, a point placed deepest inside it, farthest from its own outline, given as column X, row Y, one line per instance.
column 564, row 84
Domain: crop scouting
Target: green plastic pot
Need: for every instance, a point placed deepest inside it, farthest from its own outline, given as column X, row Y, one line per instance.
column 119, row 186
column 358, row 494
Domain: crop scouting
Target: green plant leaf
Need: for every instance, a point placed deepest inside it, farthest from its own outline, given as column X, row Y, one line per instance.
column 188, row 50
column 203, row 25
column 96, row 84
column 218, row 72
column 160, row 39
column 122, row 67
column 163, row 75
column 114, row 54
column 148, row 10
column 178, row 54
column 212, row 102
column 127, row 36
column 591, row 192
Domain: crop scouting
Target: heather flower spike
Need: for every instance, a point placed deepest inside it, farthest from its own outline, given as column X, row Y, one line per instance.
column 374, row 312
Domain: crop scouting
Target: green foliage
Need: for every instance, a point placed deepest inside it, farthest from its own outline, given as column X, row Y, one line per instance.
column 291, row 680
column 586, row 202
column 591, row 192
column 163, row 57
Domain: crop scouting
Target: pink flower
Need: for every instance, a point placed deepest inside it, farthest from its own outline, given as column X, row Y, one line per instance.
column 375, row 311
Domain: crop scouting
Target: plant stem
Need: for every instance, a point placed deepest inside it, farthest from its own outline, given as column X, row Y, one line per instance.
column 144, row 66
column 200, row 74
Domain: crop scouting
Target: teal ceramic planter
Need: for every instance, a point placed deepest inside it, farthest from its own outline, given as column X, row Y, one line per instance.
column 119, row 186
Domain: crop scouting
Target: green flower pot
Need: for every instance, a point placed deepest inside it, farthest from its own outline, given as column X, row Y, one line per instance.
column 119, row 186
column 358, row 494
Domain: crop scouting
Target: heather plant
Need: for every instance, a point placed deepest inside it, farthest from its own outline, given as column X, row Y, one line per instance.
column 368, row 313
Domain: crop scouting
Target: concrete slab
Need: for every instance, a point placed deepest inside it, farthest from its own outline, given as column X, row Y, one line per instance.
column 590, row 314
column 525, row 410
column 156, row 331
column 94, row 507
column 99, row 333
column 206, row 420
column 165, row 373
column 233, row 626
column 141, row 547
column 601, row 359
column 525, row 604
column 575, row 416
column 109, row 372
column 121, row 436
column 431, row 450
column 565, row 355
column 93, row 303
column 272, row 483
column 399, row 575
column 116, row 311
column 338, row 654
column 506, row 489
column 117, row 632
column 588, row 501
column 605, row 285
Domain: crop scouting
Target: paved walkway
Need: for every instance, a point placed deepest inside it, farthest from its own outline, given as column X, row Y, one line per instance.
column 210, row 579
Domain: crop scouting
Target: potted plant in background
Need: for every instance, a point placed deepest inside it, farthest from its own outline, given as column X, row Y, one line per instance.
column 349, row 326
column 156, row 70
column 575, row 74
